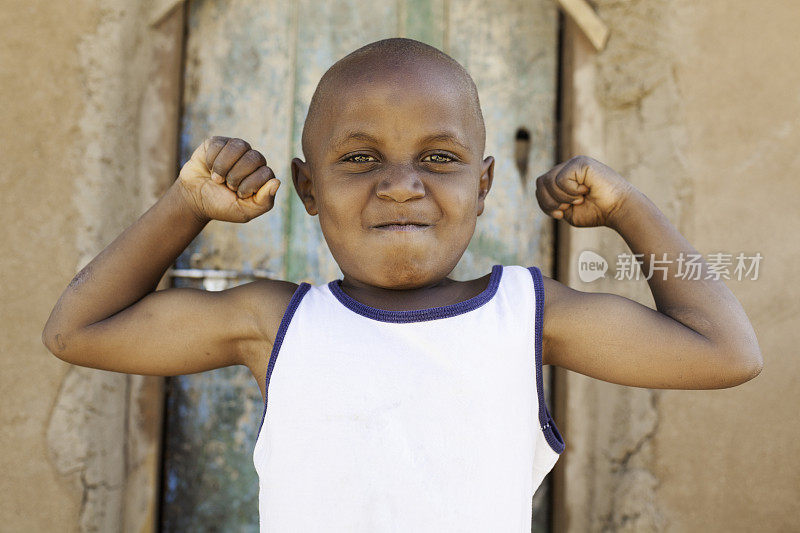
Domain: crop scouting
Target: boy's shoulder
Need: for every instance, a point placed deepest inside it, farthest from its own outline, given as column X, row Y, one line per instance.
column 558, row 301
column 265, row 302
column 268, row 299
column 554, row 291
column 552, row 288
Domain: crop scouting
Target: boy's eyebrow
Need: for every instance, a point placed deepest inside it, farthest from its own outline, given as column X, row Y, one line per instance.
column 366, row 137
column 446, row 136
column 358, row 135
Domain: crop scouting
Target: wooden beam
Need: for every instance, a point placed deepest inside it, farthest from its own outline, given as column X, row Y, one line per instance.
column 160, row 10
column 587, row 20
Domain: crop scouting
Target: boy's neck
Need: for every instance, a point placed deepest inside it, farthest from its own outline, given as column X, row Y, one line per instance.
column 443, row 292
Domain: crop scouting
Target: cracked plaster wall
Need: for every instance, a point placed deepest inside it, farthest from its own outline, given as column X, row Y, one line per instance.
column 693, row 103
column 92, row 133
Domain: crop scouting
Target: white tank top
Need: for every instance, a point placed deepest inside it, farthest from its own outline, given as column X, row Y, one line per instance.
column 424, row 420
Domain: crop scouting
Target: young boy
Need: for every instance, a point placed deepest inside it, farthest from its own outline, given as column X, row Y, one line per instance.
column 397, row 398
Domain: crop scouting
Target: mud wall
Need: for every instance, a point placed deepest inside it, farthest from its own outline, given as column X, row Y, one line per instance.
column 694, row 103
column 88, row 143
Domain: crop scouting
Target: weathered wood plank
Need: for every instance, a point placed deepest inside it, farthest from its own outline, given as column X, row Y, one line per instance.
column 239, row 84
column 423, row 20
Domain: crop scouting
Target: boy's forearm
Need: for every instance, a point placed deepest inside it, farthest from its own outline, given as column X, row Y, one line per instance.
column 706, row 306
column 127, row 269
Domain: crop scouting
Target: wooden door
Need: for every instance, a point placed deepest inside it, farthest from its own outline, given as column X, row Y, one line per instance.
column 251, row 68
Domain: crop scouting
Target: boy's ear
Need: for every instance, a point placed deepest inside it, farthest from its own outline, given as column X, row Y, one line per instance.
column 485, row 182
column 301, row 176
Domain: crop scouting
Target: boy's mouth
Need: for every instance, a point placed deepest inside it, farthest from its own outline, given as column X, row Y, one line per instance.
column 402, row 225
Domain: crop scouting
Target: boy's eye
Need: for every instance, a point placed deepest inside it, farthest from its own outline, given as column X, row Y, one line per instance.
column 440, row 158
column 358, row 158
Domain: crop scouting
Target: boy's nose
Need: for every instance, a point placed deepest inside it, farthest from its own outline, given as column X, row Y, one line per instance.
column 401, row 184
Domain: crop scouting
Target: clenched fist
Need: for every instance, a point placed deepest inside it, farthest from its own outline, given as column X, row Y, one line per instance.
column 584, row 192
column 227, row 180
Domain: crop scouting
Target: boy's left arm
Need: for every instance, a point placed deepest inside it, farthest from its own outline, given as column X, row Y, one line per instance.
column 700, row 337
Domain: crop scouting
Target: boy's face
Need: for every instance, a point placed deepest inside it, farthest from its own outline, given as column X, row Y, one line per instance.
column 392, row 147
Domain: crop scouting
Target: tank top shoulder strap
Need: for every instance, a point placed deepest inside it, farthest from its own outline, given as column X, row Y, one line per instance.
column 291, row 308
column 549, row 430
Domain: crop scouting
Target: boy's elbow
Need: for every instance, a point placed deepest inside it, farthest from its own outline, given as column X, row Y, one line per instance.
column 753, row 367
column 749, row 367
column 740, row 358
column 55, row 343
column 49, row 342
column 753, row 360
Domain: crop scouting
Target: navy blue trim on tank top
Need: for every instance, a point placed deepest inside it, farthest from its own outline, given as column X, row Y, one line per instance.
column 419, row 315
column 299, row 292
column 548, row 425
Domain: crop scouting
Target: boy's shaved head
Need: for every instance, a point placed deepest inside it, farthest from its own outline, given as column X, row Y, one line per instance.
column 371, row 62
column 394, row 168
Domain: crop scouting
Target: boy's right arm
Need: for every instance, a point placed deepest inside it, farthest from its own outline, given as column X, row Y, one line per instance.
column 109, row 317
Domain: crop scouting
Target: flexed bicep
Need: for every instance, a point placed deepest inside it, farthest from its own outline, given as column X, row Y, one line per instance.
column 615, row 339
column 181, row 331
